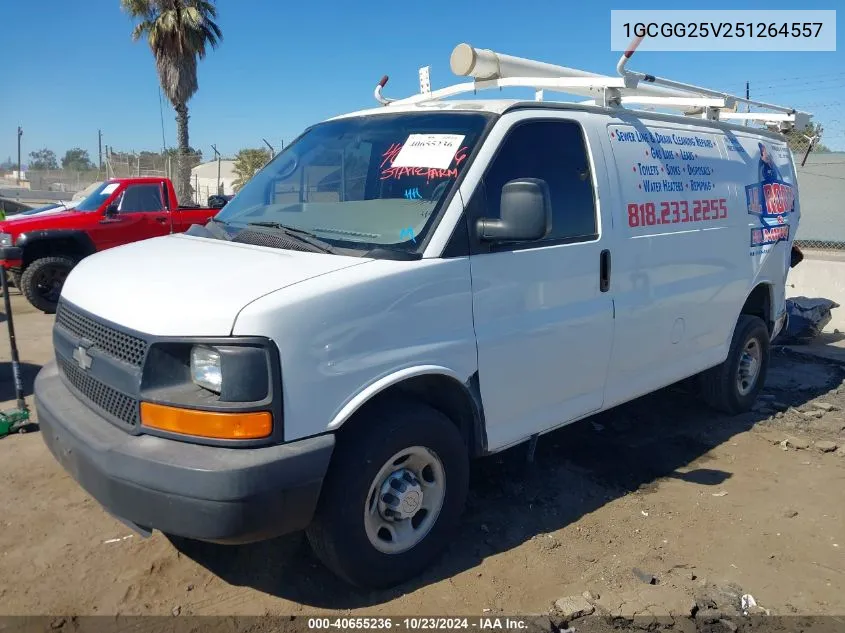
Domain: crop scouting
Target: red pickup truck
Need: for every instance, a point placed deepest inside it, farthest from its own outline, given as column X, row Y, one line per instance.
column 117, row 212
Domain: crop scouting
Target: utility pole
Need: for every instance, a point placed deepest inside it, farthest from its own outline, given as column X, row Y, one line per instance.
column 272, row 150
column 20, row 133
column 747, row 96
column 100, row 148
column 216, row 153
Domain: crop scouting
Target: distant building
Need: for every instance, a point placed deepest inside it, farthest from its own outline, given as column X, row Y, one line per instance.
column 204, row 178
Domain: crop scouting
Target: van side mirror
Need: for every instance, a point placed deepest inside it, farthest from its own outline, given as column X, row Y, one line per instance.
column 526, row 212
column 111, row 210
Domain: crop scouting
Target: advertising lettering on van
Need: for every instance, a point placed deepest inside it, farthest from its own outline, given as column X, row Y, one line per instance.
column 668, row 166
column 772, row 235
column 772, row 199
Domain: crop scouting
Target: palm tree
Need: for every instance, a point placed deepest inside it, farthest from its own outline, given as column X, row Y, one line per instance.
column 178, row 32
column 247, row 163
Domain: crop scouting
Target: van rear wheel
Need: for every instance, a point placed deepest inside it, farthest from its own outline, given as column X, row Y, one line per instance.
column 733, row 386
column 393, row 495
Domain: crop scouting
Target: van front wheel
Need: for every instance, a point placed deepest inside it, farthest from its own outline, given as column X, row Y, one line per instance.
column 394, row 494
column 733, row 386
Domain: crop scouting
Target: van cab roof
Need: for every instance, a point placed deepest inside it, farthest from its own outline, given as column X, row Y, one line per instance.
column 501, row 106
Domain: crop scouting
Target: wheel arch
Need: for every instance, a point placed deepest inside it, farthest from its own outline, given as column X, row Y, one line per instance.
column 434, row 385
column 760, row 303
column 55, row 242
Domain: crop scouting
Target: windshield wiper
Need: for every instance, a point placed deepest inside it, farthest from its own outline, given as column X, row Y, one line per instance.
column 298, row 234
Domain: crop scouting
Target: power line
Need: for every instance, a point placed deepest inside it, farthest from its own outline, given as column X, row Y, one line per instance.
column 801, row 80
column 840, row 84
column 812, row 173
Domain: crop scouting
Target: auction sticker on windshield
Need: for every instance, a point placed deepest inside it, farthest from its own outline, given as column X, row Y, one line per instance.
column 429, row 150
column 109, row 188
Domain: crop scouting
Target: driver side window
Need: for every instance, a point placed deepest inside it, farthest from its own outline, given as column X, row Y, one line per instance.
column 140, row 198
column 554, row 151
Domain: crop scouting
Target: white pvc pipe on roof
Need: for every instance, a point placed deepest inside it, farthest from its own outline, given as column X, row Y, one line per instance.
column 481, row 63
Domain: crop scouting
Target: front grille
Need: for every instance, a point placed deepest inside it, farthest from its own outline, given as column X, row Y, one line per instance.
column 111, row 401
column 125, row 347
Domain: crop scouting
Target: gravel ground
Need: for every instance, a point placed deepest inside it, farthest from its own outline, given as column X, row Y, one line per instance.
column 659, row 509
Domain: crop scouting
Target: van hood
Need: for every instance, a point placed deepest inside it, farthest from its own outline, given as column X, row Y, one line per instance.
column 181, row 285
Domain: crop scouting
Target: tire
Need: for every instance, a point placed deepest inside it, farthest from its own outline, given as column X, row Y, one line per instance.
column 42, row 281
column 338, row 534
column 15, row 277
column 721, row 386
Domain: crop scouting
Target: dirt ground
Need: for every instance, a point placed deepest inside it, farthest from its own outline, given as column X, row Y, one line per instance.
column 693, row 501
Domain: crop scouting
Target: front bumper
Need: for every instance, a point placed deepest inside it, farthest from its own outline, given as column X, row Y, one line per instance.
column 224, row 495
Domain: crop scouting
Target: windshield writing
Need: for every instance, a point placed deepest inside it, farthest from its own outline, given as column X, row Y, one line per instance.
column 363, row 182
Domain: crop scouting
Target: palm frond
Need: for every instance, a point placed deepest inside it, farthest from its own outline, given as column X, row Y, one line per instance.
column 140, row 29
column 144, row 9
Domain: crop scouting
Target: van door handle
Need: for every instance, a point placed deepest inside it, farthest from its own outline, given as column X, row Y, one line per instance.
column 604, row 271
column 161, row 219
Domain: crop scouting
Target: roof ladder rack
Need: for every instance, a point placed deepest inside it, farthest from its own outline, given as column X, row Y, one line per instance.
column 490, row 70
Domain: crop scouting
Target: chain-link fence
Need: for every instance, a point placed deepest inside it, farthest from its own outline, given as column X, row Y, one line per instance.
column 821, row 186
column 63, row 180
column 173, row 165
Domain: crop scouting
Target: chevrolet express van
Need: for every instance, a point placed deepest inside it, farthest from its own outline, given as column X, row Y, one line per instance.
column 402, row 290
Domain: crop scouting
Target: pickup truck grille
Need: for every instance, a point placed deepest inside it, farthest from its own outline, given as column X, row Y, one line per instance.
column 124, row 347
column 110, row 401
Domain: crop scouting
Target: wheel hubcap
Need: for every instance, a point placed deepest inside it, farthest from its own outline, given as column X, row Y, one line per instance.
column 749, row 367
column 404, row 500
column 401, row 496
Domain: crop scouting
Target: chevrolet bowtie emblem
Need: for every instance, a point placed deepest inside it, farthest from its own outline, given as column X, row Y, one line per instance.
column 83, row 359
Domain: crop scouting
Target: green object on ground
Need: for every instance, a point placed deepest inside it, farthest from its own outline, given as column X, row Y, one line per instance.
column 13, row 420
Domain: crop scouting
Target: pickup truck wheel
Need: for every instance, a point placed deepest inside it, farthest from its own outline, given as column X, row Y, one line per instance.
column 15, row 276
column 42, row 281
column 733, row 386
column 393, row 495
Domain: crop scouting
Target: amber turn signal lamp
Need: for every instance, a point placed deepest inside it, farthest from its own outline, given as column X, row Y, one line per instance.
column 211, row 424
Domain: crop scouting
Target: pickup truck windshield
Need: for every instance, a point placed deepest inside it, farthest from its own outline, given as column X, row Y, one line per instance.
column 363, row 182
column 96, row 198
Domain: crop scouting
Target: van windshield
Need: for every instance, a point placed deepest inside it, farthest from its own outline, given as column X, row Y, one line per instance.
column 363, row 182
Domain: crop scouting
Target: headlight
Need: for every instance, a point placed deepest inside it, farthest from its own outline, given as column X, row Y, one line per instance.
column 5, row 239
column 206, row 369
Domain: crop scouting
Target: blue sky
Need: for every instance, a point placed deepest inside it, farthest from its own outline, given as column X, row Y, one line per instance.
column 283, row 65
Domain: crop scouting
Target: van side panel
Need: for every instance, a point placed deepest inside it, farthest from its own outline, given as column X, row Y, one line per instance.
column 685, row 262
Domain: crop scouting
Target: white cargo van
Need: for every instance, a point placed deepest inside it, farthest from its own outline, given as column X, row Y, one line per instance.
column 406, row 288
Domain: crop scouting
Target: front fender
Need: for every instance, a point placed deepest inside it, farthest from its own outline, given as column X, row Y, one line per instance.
column 347, row 335
column 71, row 241
column 377, row 386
